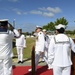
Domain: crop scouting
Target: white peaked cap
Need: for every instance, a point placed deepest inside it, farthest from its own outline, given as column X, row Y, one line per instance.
column 60, row 26
column 44, row 30
column 38, row 27
column 2, row 20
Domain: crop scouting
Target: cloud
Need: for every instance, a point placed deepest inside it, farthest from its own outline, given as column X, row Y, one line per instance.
column 50, row 9
column 19, row 12
column 43, row 13
column 43, row 8
column 13, row 0
column 25, row 13
column 54, row 10
column 48, row 14
column 35, row 12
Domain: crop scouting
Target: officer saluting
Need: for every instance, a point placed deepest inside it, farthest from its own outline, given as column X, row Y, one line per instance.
column 40, row 43
column 59, row 52
column 39, row 46
column 6, row 53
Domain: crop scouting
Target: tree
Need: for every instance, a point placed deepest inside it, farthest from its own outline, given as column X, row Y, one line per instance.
column 51, row 26
column 69, row 32
column 61, row 21
column 45, row 27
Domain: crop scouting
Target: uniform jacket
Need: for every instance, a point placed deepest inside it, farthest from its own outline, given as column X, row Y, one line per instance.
column 40, row 42
column 47, row 40
column 6, row 43
column 21, row 41
column 60, row 50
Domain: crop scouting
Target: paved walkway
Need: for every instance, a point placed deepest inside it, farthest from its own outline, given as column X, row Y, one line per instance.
column 26, row 62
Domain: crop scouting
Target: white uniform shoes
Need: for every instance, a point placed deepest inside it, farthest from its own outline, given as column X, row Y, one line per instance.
column 30, row 70
column 50, row 67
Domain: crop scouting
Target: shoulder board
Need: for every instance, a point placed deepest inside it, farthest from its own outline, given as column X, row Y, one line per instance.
column 40, row 33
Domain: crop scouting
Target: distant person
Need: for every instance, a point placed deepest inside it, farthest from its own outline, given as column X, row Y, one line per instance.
column 47, row 41
column 20, row 45
column 59, row 53
column 39, row 46
column 6, row 54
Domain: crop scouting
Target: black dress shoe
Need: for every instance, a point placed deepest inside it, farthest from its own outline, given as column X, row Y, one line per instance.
column 19, row 62
column 22, row 62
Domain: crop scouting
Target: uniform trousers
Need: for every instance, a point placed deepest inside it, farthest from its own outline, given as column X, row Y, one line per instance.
column 37, row 57
column 6, row 66
column 20, row 53
column 46, row 58
column 62, row 70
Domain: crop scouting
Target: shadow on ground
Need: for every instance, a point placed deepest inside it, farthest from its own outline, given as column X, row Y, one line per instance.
column 39, row 70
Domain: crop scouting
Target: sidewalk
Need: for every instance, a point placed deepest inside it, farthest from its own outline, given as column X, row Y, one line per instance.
column 26, row 62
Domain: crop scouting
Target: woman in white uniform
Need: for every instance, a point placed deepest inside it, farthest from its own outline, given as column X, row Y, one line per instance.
column 59, row 54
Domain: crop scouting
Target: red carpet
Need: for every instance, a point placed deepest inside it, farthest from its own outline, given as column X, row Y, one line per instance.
column 23, row 70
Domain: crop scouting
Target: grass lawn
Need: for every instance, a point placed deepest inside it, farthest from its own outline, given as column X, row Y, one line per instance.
column 28, row 49
column 30, row 43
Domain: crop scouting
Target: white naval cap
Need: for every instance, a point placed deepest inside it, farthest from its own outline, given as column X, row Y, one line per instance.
column 44, row 30
column 3, row 22
column 60, row 26
column 38, row 27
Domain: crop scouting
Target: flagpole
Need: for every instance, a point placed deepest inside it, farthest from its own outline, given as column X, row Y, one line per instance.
column 14, row 23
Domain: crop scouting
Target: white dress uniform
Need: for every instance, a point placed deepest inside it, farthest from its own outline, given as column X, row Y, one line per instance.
column 20, row 44
column 59, row 54
column 6, row 53
column 39, row 47
column 47, row 41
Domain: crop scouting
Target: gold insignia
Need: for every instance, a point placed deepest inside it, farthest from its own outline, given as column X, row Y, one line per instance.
column 40, row 33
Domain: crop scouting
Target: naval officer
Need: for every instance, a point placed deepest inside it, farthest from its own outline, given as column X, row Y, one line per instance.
column 20, row 45
column 6, row 54
column 39, row 45
column 59, row 52
column 47, row 41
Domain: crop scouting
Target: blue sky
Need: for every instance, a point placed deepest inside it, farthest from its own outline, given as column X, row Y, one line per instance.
column 29, row 13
